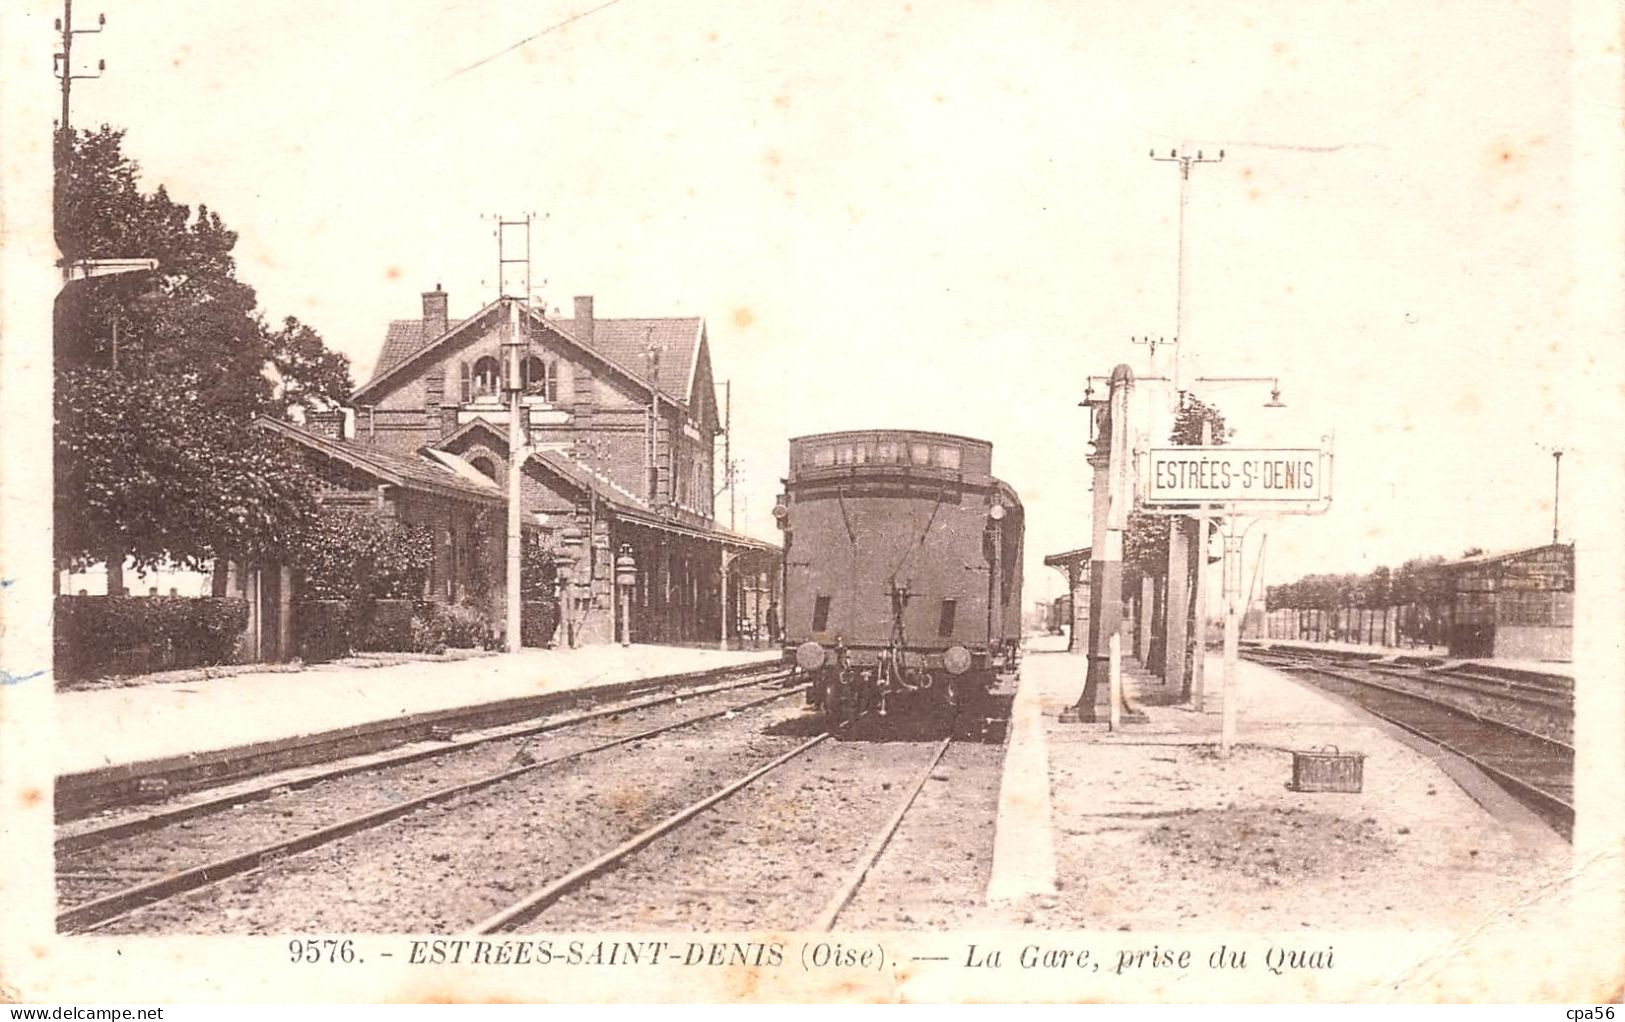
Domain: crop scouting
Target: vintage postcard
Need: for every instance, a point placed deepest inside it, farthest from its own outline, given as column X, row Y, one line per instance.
column 525, row 500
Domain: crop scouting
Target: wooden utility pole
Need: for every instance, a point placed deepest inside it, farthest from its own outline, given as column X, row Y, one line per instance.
column 64, row 70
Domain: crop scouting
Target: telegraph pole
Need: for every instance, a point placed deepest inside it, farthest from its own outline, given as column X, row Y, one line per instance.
column 1180, row 538
column 515, row 294
column 64, row 67
column 1186, row 160
column 1557, row 478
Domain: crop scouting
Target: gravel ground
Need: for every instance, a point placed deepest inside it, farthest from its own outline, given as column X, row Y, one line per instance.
column 770, row 857
column 935, row 872
column 1543, row 721
column 1166, row 836
column 451, row 864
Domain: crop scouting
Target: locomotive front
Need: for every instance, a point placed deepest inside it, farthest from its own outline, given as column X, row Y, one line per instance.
column 902, row 570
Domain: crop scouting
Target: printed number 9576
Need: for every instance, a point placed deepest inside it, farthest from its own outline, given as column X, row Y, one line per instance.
column 314, row 952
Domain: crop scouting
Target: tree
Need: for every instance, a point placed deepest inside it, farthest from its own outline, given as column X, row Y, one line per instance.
column 160, row 376
column 1147, row 539
column 1188, row 423
column 162, row 480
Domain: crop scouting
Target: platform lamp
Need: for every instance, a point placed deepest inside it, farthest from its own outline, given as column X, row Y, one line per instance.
column 626, row 576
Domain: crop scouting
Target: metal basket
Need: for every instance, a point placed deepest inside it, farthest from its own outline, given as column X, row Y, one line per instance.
column 1327, row 769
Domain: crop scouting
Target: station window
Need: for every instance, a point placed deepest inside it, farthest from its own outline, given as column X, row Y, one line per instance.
column 537, row 378
column 948, row 457
column 886, row 452
column 487, row 376
column 945, row 621
column 820, row 621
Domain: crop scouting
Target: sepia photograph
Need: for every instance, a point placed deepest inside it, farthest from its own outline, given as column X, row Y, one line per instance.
column 621, row 501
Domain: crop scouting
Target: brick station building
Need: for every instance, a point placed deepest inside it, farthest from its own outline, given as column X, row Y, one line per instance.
column 621, row 417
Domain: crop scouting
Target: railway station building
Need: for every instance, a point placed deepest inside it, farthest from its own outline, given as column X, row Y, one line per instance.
column 621, row 419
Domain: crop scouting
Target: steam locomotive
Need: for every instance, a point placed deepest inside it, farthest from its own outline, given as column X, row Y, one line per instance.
column 902, row 571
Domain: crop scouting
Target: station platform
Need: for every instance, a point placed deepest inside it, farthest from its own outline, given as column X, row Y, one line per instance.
column 1153, row 829
column 111, row 728
column 1433, row 656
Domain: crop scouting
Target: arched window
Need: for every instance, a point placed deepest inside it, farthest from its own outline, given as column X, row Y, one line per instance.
column 539, row 379
column 485, row 466
column 487, row 376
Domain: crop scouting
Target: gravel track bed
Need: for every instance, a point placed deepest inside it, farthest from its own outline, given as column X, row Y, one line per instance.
column 450, row 864
column 94, row 872
column 767, row 858
column 935, row 872
column 1548, row 723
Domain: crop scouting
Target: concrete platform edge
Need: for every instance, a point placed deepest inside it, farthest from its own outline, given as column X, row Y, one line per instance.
column 84, row 792
column 1023, row 839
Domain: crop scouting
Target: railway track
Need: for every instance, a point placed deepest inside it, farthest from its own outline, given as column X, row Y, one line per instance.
column 1536, row 768
column 82, row 880
column 534, row 904
column 81, row 796
column 1543, row 696
column 1545, row 708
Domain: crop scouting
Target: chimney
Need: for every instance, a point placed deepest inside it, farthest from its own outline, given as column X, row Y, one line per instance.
column 326, row 423
column 434, row 313
column 583, row 323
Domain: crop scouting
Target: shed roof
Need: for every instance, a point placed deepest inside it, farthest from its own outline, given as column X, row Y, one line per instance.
column 407, row 471
column 1478, row 560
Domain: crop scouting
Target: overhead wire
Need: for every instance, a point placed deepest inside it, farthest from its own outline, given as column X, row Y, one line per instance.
column 530, row 39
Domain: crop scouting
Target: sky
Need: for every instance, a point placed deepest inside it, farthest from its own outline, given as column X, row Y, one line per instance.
column 940, row 216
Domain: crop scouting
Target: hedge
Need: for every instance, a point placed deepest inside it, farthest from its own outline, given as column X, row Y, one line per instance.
column 329, row 629
column 100, row 635
column 324, row 630
column 439, row 625
column 538, row 621
column 386, row 625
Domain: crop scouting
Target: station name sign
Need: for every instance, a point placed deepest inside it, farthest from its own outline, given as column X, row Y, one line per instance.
column 1234, row 475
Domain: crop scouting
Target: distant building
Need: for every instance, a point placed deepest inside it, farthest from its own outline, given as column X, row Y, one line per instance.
column 1074, row 564
column 1516, row 604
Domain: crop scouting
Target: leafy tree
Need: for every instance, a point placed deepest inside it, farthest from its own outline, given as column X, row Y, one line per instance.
column 160, row 376
column 537, row 569
column 161, row 479
column 358, row 556
column 1188, row 423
